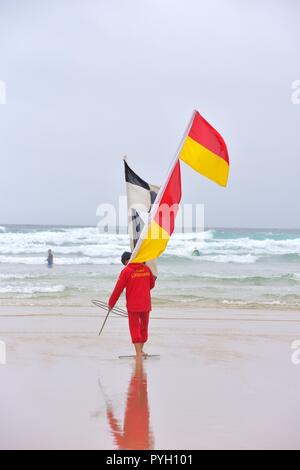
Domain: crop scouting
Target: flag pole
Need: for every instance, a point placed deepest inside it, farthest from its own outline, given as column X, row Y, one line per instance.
column 162, row 188
column 129, row 228
column 173, row 163
column 108, row 312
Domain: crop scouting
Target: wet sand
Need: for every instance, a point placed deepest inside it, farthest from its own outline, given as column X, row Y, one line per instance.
column 224, row 380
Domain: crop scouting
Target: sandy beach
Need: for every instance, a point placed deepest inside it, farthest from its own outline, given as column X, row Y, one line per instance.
column 224, row 380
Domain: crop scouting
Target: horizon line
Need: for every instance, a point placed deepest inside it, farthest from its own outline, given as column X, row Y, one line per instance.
column 118, row 227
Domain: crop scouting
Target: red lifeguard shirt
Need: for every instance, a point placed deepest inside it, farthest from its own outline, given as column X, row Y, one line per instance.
column 138, row 280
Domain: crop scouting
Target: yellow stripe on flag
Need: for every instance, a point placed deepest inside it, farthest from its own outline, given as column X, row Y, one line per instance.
column 153, row 245
column 204, row 161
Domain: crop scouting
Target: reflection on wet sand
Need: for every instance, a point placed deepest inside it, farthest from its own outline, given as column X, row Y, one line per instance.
column 136, row 432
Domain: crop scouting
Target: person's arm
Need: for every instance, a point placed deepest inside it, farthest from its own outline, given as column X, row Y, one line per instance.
column 152, row 279
column 119, row 287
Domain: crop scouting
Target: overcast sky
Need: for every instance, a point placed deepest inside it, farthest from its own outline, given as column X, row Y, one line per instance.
column 88, row 81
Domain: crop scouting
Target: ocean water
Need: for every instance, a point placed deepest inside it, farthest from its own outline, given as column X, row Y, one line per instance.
column 236, row 268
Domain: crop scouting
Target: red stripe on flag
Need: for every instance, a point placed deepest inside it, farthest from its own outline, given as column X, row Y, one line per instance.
column 203, row 133
column 168, row 206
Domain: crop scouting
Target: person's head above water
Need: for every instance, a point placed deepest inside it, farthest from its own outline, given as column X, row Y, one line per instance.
column 125, row 257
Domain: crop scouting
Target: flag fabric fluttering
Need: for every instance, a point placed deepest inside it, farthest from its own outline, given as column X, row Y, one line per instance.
column 162, row 222
column 140, row 198
column 204, row 149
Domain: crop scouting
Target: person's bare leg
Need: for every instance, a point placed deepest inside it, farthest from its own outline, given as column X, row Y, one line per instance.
column 143, row 352
column 138, row 349
column 144, row 329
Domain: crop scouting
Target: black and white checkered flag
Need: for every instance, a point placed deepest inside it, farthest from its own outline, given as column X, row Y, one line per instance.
column 140, row 198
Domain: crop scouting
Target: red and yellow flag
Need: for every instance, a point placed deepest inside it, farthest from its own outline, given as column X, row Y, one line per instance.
column 162, row 223
column 204, row 149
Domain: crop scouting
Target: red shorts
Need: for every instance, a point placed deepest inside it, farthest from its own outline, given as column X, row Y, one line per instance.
column 138, row 326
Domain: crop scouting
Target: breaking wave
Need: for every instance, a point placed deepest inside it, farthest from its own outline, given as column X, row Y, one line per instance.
column 235, row 268
column 33, row 289
column 84, row 245
column 35, row 260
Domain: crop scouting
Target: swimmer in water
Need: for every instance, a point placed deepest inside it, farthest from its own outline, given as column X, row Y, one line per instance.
column 196, row 252
column 50, row 259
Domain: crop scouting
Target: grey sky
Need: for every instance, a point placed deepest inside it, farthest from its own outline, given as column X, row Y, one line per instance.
column 90, row 80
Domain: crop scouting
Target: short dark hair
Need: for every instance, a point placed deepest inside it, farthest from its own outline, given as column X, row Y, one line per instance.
column 125, row 257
